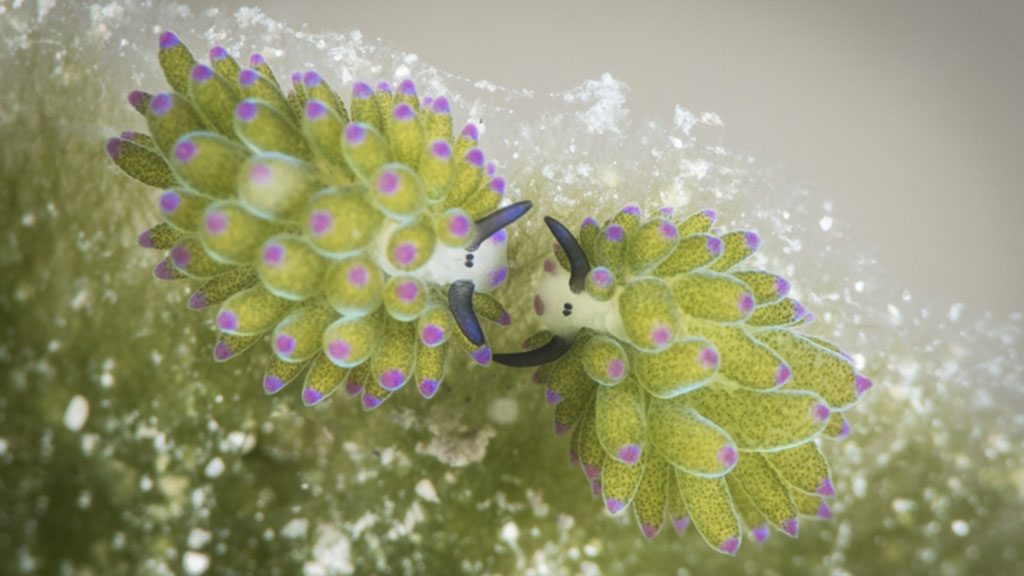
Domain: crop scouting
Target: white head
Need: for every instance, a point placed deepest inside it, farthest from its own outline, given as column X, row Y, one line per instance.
column 482, row 265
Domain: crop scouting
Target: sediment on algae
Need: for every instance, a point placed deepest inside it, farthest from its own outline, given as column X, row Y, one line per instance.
column 363, row 242
column 689, row 390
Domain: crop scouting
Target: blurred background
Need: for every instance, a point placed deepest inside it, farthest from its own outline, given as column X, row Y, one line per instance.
column 905, row 115
column 875, row 146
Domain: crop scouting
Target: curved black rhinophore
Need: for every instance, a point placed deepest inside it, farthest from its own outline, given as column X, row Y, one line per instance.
column 553, row 350
column 488, row 225
column 460, row 302
column 577, row 257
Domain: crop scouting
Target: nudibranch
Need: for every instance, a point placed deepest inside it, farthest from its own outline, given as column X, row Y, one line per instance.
column 362, row 240
column 689, row 390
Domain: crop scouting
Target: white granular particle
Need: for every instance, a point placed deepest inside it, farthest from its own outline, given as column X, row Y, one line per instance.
column 425, row 489
column 195, row 562
column 77, row 413
column 215, row 468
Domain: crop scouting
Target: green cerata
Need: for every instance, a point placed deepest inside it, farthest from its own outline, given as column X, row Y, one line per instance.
column 689, row 392
column 362, row 240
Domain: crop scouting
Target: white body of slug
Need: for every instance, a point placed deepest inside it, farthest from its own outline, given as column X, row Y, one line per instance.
column 487, row 269
column 553, row 293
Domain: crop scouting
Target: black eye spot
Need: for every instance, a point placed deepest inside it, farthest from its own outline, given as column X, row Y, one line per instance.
column 567, row 309
column 469, row 260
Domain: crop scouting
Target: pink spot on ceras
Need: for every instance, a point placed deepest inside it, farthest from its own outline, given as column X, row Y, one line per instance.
column 820, row 412
column 592, row 471
column 339, row 349
column 113, row 147
column 272, row 384
column 470, row 131
column 216, row 222
column 730, row 546
column 844, row 430
column 227, row 320
column 384, row 86
column 862, row 384
column 361, row 90
column 615, row 369
column 407, row 291
column 661, row 335
column 666, row 211
column 312, row 79
column 782, row 374
column 201, row 73
column 614, row 506
column 711, row 215
column 256, row 60
column 781, row 286
column 221, row 351
column 498, row 185
column 552, row 397
column 136, row 98
column 668, row 230
column 760, row 533
column 403, row 112
column 392, row 379
column 824, row 512
column 727, row 456
column 218, row 53
column 197, row 300
column 752, row 240
column 709, row 358
column 481, row 355
column 260, row 173
column 602, row 277
column 248, row 77
column 169, row 201
column 549, row 266
column 681, row 524
column 146, row 239
column 273, row 254
column 311, row 396
column 714, row 246
column 370, row 401
column 746, row 303
column 320, row 222
column 407, row 87
column 352, row 387
column 357, row 276
column 791, row 527
column 826, row 488
column 561, row 429
column 650, row 530
column 355, row 133
column 630, row 454
column 631, row 209
column 441, row 106
column 284, row 344
column 180, row 256
column 441, row 150
column 475, row 157
column 428, row 387
column 161, row 104
column 168, row 39
column 458, row 225
column 315, row 109
column 538, row 305
column 246, row 111
column 387, row 182
column 614, row 233
column 405, row 253
column 432, row 334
